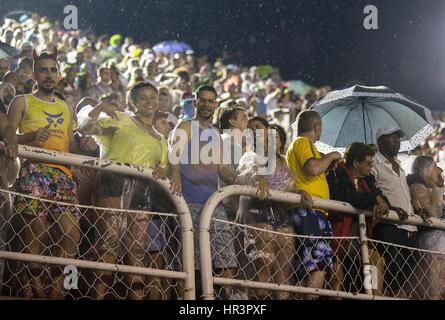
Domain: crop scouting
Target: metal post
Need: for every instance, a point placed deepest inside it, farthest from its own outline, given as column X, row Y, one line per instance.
column 367, row 274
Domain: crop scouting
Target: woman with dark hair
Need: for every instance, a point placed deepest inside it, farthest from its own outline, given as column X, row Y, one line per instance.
column 283, row 137
column 353, row 182
column 271, row 247
column 129, row 137
column 232, row 125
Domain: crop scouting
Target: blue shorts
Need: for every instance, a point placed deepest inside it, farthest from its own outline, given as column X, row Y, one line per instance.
column 312, row 253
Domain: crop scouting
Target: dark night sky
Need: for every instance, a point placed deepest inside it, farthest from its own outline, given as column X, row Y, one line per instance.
column 320, row 42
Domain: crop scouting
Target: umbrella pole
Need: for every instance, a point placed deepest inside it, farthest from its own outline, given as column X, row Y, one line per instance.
column 364, row 122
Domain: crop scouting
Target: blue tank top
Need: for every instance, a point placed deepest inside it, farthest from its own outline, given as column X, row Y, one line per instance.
column 199, row 181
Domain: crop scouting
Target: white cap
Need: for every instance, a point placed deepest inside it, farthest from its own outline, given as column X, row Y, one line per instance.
column 387, row 131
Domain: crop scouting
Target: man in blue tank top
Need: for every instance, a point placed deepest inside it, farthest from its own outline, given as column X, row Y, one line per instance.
column 196, row 177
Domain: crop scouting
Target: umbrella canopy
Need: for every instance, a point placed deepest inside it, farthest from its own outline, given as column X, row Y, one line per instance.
column 355, row 114
column 3, row 54
column 17, row 15
column 7, row 49
column 299, row 87
column 171, row 47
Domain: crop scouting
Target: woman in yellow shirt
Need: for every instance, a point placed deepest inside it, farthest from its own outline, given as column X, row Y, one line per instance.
column 129, row 137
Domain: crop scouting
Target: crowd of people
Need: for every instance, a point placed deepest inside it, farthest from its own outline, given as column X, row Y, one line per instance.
column 112, row 98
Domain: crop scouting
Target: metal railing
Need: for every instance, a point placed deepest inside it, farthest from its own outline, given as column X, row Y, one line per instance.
column 365, row 246
column 187, row 274
column 427, row 264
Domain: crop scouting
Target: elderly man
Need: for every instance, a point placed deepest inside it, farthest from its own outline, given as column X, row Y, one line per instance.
column 314, row 255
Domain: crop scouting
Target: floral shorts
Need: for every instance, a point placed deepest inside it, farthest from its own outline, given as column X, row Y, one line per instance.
column 313, row 252
column 48, row 183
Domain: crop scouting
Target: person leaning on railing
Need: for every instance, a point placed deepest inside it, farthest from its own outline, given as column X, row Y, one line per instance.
column 353, row 182
column 314, row 254
column 426, row 186
column 390, row 178
column 270, row 253
column 44, row 120
column 198, row 181
column 129, row 137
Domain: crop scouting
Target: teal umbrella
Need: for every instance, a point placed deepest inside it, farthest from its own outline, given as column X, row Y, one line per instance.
column 6, row 49
column 355, row 114
column 3, row 54
column 299, row 87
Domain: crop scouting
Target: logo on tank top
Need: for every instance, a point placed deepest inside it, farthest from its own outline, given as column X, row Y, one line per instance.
column 54, row 121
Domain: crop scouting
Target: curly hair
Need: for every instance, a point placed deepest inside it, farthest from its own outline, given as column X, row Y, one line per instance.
column 134, row 89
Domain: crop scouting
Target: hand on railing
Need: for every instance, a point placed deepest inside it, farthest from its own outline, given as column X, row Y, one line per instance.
column 175, row 184
column 306, row 199
column 403, row 215
column 159, row 173
column 380, row 209
column 263, row 188
column 425, row 215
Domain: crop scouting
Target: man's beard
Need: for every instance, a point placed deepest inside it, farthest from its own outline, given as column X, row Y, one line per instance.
column 206, row 117
column 46, row 90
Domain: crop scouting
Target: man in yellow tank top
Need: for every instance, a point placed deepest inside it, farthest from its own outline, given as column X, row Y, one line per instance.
column 44, row 121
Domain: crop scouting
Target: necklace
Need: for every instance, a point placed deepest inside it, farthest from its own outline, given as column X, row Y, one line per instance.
column 147, row 128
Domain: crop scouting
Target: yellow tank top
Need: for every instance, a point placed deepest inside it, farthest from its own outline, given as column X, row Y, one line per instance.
column 39, row 114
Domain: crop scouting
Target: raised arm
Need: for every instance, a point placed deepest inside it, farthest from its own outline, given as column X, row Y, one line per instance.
column 87, row 118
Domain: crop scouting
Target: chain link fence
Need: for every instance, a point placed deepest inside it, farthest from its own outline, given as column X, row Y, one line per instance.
column 117, row 249
column 265, row 255
column 112, row 236
column 78, row 251
column 412, row 273
column 273, row 264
